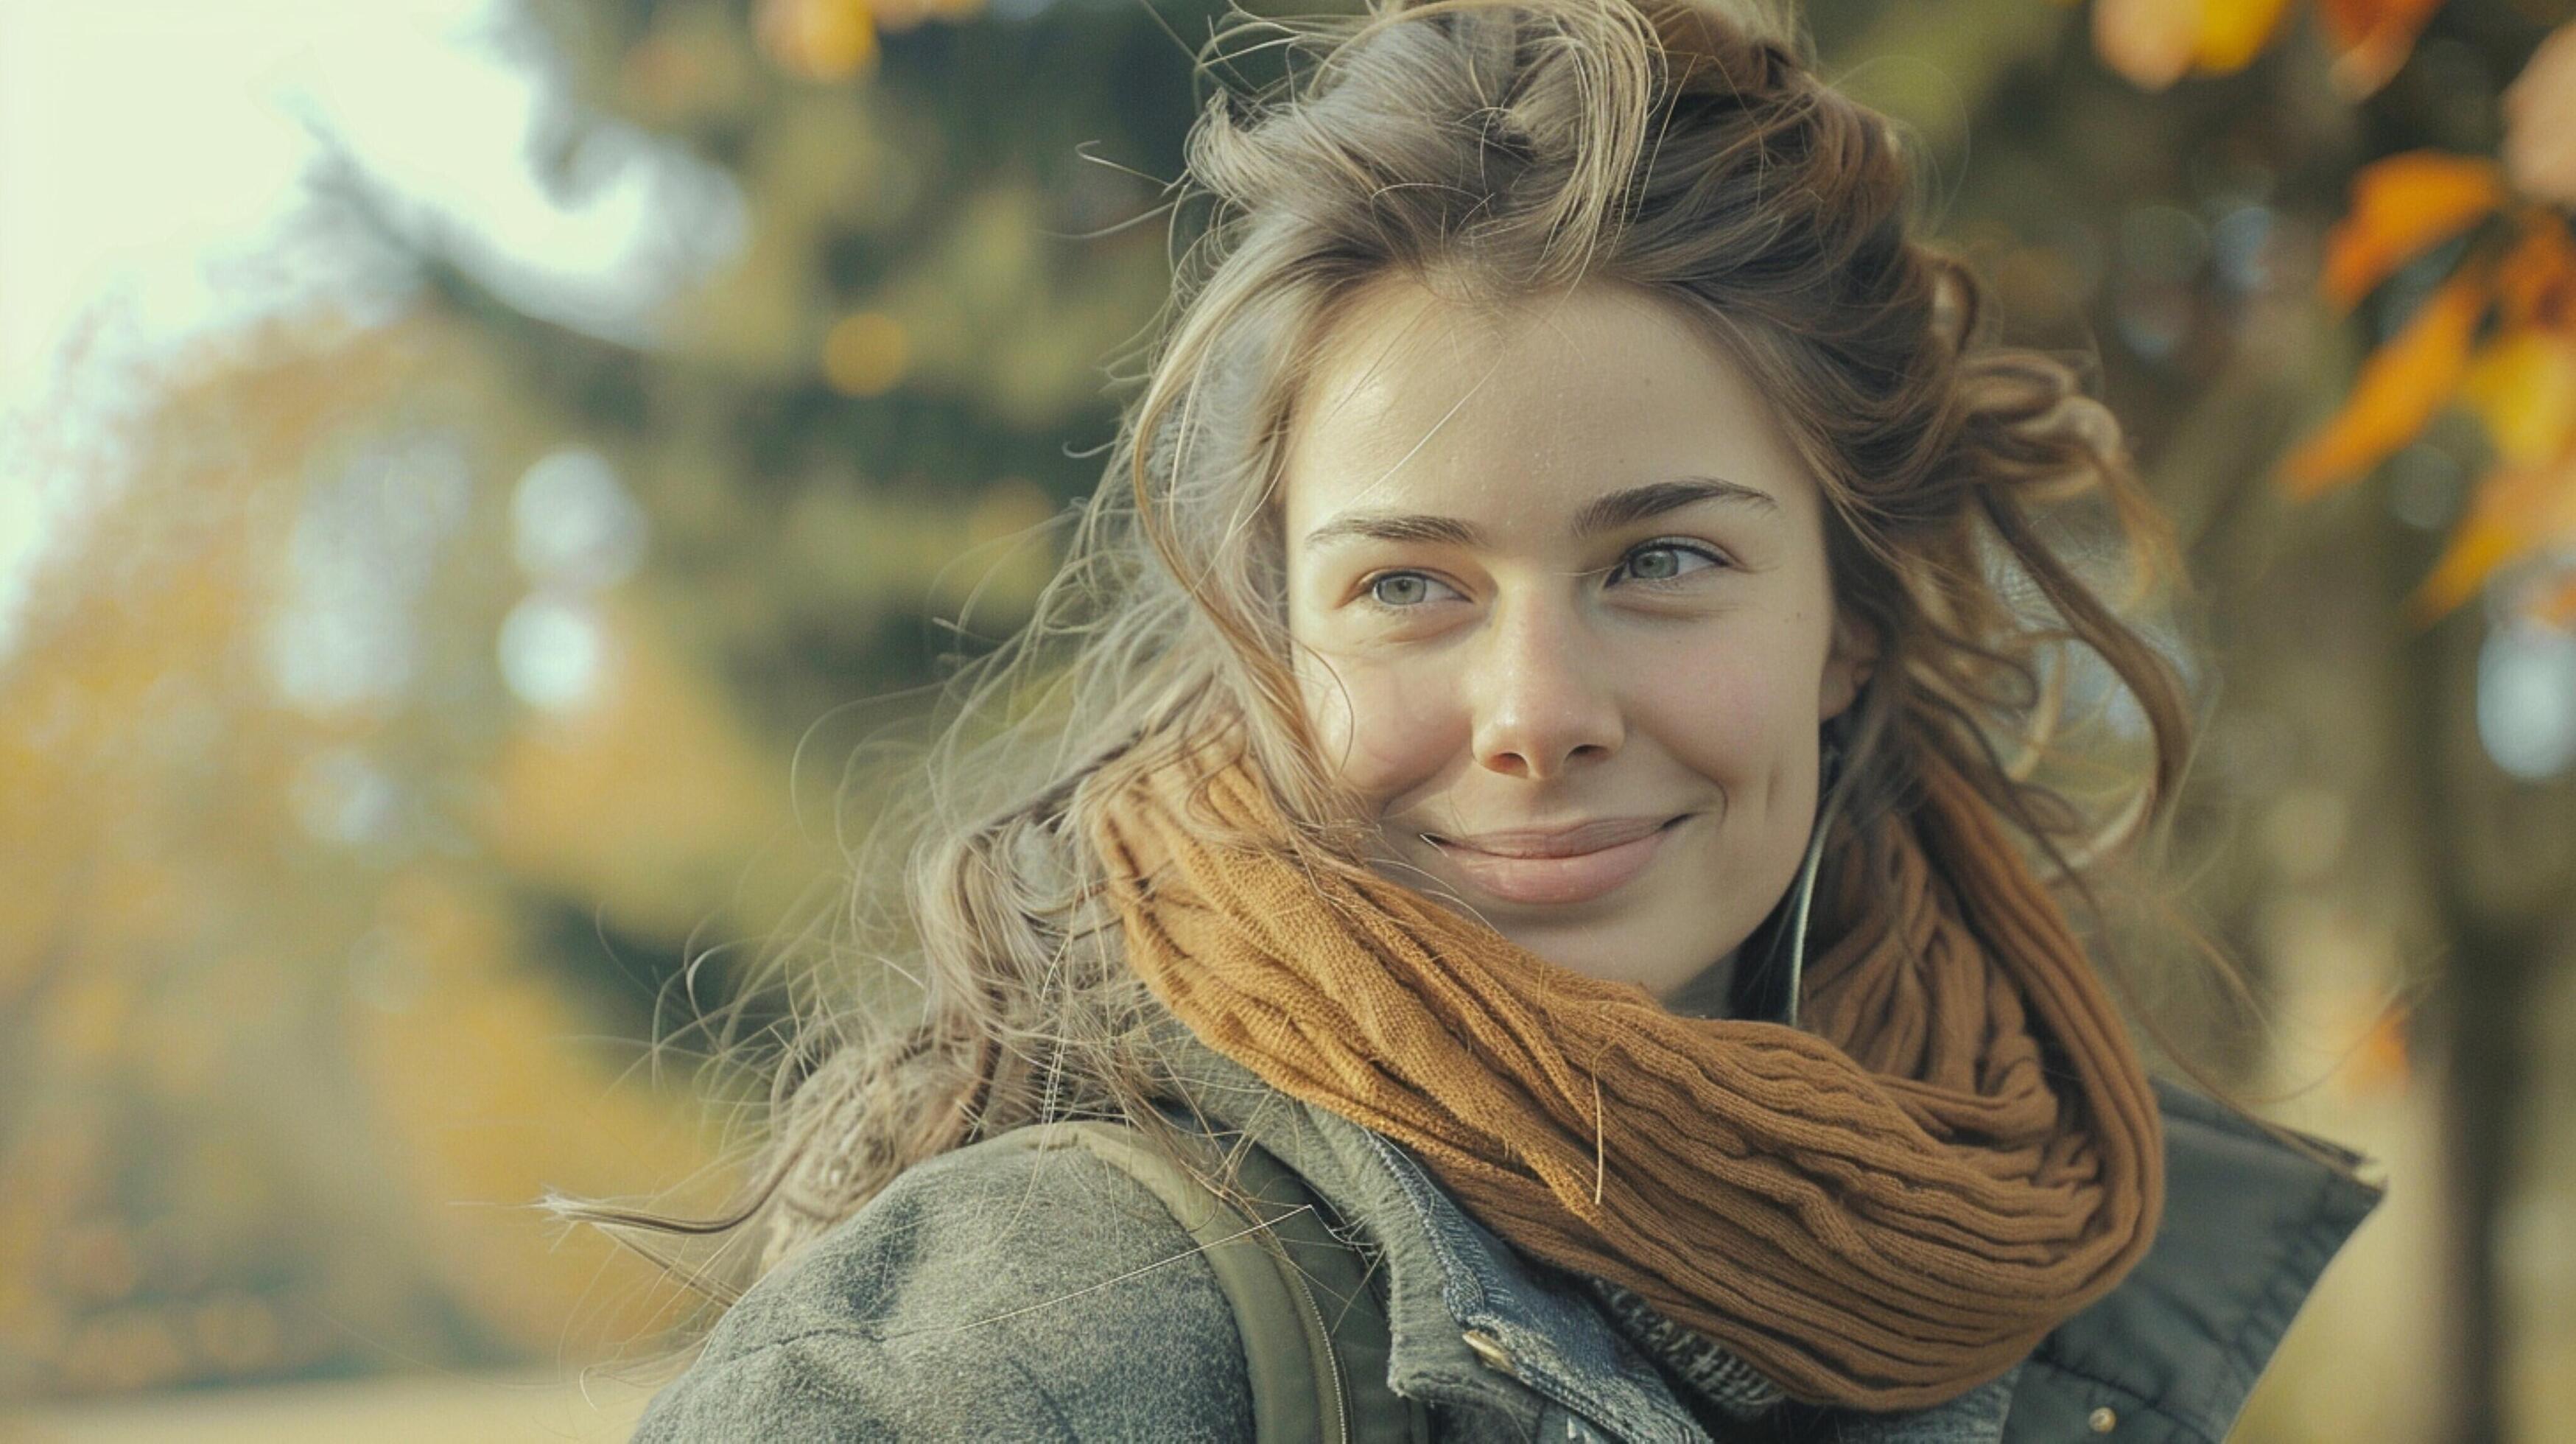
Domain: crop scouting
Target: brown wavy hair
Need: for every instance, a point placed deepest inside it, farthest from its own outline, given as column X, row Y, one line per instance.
column 1983, row 522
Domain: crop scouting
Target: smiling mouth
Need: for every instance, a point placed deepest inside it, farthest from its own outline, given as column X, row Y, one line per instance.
column 1557, row 866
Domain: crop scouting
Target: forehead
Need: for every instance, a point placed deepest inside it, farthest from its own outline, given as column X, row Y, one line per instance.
column 1522, row 413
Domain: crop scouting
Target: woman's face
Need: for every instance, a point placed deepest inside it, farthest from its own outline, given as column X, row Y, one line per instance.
column 1558, row 584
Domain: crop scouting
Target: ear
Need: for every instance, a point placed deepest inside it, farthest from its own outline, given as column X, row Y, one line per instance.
column 1849, row 659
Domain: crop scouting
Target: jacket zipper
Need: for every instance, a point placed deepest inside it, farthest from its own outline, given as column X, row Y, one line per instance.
column 1333, row 1376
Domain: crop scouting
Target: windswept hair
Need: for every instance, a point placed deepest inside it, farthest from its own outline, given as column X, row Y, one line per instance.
column 1982, row 519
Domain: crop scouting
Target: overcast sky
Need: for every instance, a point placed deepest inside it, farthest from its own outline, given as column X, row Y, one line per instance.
column 153, row 152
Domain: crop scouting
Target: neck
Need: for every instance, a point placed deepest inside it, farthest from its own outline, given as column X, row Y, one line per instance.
column 1707, row 994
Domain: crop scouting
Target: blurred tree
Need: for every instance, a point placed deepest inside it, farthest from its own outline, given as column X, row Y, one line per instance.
column 413, row 733
column 914, row 326
column 268, row 999
column 2466, row 265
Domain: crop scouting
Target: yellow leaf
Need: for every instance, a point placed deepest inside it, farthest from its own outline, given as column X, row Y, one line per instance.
column 818, row 39
column 2517, row 511
column 2233, row 32
column 2403, row 206
column 2403, row 385
column 2523, row 386
column 866, row 353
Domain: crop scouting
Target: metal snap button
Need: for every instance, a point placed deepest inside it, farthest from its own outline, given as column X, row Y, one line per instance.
column 2103, row 1421
column 1491, row 1350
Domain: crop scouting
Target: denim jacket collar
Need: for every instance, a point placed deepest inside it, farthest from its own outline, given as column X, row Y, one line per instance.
column 2250, row 1223
column 1559, row 1345
column 1551, row 1340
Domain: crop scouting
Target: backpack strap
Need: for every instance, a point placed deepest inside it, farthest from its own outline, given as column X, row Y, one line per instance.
column 1315, row 1338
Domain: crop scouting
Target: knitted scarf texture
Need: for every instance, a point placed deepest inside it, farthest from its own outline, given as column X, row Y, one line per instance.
column 1954, row 1152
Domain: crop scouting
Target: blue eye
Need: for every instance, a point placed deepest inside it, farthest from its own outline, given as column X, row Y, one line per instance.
column 1663, row 562
column 1405, row 589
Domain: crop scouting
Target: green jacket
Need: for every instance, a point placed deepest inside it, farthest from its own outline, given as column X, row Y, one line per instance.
column 1037, row 1293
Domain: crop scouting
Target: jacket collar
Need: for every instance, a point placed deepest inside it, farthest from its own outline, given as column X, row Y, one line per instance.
column 2249, row 1224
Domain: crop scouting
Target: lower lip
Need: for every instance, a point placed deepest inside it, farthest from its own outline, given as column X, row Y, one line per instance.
column 1556, row 880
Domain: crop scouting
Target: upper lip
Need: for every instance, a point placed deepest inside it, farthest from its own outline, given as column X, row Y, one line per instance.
column 1568, row 840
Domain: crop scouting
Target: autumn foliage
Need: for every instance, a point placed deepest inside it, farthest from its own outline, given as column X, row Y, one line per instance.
column 2157, row 42
column 2497, row 337
column 2494, row 335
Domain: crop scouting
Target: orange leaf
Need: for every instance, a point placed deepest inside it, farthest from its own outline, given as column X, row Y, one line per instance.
column 2372, row 38
column 2378, row 1062
column 2522, row 385
column 2403, row 206
column 2150, row 42
column 2536, row 280
column 2231, row 35
column 2517, row 511
column 2403, row 385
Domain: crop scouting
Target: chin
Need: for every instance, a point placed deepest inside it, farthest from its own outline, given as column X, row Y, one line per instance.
column 1646, row 957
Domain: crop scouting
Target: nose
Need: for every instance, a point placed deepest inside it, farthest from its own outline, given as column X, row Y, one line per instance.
column 1540, row 705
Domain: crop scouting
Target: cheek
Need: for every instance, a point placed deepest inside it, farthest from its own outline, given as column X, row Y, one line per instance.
column 1383, row 729
column 1737, row 712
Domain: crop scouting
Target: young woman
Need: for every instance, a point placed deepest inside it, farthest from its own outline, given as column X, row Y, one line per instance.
column 1546, row 735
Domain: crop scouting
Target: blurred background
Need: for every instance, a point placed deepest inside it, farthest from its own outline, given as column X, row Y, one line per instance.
column 473, row 470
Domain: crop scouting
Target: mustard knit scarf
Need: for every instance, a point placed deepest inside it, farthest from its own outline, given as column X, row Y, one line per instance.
column 1880, row 1213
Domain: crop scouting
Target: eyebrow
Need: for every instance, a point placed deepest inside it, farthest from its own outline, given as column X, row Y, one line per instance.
column 1603, row 513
